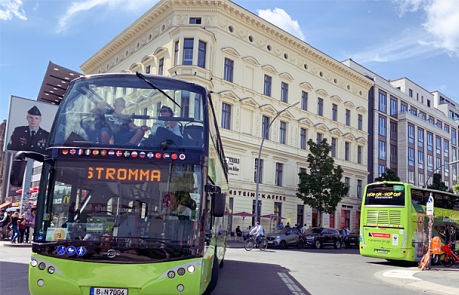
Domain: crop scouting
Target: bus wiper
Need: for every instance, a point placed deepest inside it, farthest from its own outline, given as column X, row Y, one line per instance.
column 141, row 76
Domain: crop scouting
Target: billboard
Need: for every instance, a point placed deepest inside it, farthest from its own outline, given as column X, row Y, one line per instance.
column 28, row 126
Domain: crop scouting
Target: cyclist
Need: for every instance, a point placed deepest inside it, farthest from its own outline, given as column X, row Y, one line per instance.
column 257, row 231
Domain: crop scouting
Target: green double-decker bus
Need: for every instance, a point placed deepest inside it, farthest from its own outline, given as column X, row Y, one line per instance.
column 394, row 223
column 132, row 195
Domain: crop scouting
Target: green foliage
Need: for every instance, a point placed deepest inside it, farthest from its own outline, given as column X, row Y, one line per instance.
column 437, row 184
column 321, row 188
column 388, row 175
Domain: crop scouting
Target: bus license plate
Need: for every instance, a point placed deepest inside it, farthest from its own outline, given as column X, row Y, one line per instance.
column 108, row 291
column 382, row 251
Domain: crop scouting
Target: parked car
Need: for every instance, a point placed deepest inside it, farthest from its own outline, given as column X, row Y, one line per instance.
column 284, row 238
column 318, row 237
column 352, row 240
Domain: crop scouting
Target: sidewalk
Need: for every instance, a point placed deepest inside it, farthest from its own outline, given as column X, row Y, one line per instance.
column 6, row 243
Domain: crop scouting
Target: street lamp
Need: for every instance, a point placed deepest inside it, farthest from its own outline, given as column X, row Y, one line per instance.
column 257, row 180
column 438, row 168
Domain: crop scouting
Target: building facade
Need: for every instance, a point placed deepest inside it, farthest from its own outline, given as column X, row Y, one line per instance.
column 413, row 131
column 255, row 70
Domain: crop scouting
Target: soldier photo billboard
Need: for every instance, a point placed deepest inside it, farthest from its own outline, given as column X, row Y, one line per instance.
column 28, row 126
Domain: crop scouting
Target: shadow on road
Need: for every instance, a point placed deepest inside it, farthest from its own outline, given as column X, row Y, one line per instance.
column 261, row 278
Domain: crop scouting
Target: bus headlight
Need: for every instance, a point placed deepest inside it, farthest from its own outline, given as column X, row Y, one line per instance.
column 181, row 271
column 42, row 266
column 191, row 268
column 171, row 274
column 51, row 269
column 40, row 283
column 34, row 263
column 180, row 288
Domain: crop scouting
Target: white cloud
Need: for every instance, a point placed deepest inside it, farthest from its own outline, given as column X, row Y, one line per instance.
column 87, row 5
column 280, row 18
column 12, row 8
column 443, row 23
column 406, row 6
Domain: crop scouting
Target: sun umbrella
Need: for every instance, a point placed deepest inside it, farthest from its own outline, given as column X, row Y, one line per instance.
column 12, row 209
column 243, row 215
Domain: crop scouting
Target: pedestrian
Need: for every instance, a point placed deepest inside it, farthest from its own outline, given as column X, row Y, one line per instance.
column 29, row 219
column 21, row 227
column 14, row 226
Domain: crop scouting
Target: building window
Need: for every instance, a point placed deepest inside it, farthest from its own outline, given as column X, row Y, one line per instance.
column 382, row 125
column 393, row 106
column 410, row 156
column 303, row 138
column 445, row 147
column 347, row 183
column 420, row 137
column 304, row 100
column 279, row 172
column 226, row 116
column 195, row 21
column 453, row 136
column 320, row 106
column 393, row 154
column 283, row 132
column 359, row 188
column 410, row 92
column 382, row 150
column 176, row 53
column 228, row 72
column 347, row 151
column 188, row 51
column 148, row 69
column 421, row 159
column 382, row 102
column 403, row 107
column 381, row 169
column 429, row 141
column 334, row 142
column 267, row 85
column 185, row 109
column 319, row 137
column 264, row 127
column 438, row 144
column 359, row 154
column 202, row 52
column 348, row 117
column 334, row 112
column 260, row 180
column 284, row 92
column 393, row 130
column 360, row 122
column 410, row 133
column 161, row 66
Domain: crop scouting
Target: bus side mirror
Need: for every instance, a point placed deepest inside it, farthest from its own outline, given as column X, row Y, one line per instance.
column 218, row 204
column 17, row 172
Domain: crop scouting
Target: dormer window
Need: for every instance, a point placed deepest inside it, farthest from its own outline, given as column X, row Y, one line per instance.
column 195, row 20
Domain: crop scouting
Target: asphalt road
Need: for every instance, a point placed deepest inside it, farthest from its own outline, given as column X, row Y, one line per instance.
column 307, row 271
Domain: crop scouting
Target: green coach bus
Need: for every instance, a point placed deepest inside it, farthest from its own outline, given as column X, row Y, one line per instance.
column 123, row 214
column 394, row 224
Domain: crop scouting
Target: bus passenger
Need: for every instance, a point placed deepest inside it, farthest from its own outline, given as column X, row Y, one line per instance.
column 116, row 127
column 167, row 130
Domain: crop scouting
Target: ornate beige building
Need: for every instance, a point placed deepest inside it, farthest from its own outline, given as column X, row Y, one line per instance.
column 256, row 70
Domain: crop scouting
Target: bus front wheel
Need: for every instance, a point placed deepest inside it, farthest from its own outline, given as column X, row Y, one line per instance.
column 214, row 277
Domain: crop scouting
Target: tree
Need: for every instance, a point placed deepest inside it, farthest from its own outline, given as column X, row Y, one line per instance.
column 321, row 188
column 388, row 175
column 437, row 184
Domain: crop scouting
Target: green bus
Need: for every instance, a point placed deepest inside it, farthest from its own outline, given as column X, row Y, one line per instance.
column 127, row 215
column 394, row 224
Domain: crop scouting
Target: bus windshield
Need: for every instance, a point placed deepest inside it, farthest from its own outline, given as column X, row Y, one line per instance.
column 124, row 205
column 130, row 111
column 385, row 194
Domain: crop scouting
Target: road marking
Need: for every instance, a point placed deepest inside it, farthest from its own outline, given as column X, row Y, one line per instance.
column 401, row 274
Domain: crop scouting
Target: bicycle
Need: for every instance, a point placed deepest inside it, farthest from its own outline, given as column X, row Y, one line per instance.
column 250, row 243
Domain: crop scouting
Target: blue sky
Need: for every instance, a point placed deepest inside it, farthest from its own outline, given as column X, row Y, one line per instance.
column 417, row 39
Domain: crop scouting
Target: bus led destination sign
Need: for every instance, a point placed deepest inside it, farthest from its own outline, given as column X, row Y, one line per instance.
column 123, row 174
column 384, row 195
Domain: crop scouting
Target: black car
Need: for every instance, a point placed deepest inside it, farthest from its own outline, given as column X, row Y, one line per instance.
column 352, row 240
column 318, row 237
